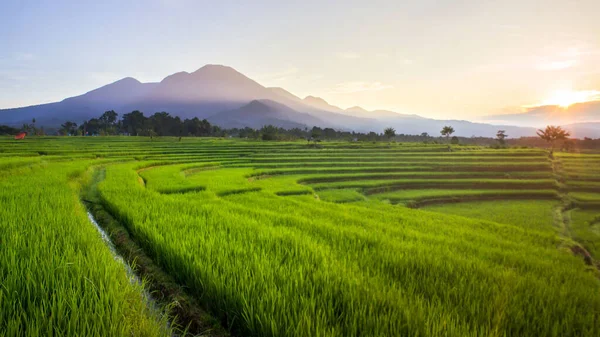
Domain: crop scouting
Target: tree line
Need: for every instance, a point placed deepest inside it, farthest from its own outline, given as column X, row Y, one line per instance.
column 164, row 124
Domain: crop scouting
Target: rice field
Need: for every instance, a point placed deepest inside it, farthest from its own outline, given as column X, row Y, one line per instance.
column 290, row 239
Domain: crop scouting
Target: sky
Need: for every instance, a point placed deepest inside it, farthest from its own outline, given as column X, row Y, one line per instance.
column 445, row 58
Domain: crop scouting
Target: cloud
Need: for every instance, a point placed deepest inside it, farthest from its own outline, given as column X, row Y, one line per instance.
column 348, row 55
column 556, row 65
column 358, row 86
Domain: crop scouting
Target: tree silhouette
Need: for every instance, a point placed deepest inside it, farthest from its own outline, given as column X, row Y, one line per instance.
column 447, row 131
column 315, row 133
column 500, row 136
column 108, row 119
column 269, row 132
column 133, row 122
column 69, row 128
column 553, row 133
column 389, row 133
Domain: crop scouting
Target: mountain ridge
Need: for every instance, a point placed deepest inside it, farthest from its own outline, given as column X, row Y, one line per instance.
column 227, row 97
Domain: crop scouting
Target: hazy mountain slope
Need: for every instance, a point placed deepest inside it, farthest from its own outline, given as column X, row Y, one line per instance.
column 119, row 93
column 284, row 94
column 433, row 127
column 581, row 130
column 78, row 108
column 321, row 104
column 259, row 113
column 552, row 114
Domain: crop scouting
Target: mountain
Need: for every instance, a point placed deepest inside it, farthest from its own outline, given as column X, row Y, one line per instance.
column 230, row 99
column 79, row 108
column 259, row 113
column 581, row 130
column 121, row 92
column 541, row 116
column 203, row 93
column 319, row 103
column 210, row 89
column 285, row 94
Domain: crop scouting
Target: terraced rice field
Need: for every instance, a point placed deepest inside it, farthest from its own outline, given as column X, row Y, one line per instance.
column 287, row 239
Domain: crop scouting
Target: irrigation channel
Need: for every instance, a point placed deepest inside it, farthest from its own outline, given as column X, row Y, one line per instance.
column 184, row 316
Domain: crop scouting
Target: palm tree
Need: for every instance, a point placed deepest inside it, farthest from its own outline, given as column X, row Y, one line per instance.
column 389, row 133
column 500, row 136
column 447, row 131
column 553, row 133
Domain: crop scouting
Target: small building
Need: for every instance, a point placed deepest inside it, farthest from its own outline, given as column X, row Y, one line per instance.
column 21, row 135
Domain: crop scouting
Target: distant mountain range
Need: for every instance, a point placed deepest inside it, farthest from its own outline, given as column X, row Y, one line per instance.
column 230, row 99
column 588, row 112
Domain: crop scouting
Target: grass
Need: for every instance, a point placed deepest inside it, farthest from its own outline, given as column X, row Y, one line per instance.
column 282, row 239
column 341, row 195
column 530, row 214
column 58, row 277
column 586, row 229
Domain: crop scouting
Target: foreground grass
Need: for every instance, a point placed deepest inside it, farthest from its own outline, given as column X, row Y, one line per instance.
column 57, row 276
column 402, row 271
column 283, row 239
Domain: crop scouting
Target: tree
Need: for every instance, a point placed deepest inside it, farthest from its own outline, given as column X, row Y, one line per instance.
column 553, row 133
column 68, row 128
column 447, row 131
column 389, row 133
column 7, row 130
column 108, row 120
column 269, row 132
column 133, row 122
column 315, row 133
column 500, row 136
column 91, row 127
column 425, row 134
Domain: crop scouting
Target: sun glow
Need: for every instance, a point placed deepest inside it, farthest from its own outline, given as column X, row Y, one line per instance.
column 566, row 98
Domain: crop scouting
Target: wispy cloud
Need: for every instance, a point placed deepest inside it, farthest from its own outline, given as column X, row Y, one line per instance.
column 556, row 65
column 348, row 55
column 358, row 86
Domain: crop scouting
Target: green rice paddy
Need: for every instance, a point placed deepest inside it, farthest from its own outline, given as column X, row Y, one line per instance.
column 290, row 239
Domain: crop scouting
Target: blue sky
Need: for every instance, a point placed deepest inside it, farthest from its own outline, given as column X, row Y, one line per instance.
column 435, row 58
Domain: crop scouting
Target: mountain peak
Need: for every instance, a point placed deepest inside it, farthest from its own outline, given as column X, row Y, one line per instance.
column 357, row 109
column 127, row 80
column 315, row 100
column 216, row 69
column 176, row 76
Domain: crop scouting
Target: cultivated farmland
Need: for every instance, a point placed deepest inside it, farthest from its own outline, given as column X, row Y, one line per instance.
column 291, row 239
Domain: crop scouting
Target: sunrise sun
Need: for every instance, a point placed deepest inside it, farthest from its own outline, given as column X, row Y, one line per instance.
column 566, row 98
